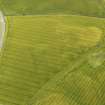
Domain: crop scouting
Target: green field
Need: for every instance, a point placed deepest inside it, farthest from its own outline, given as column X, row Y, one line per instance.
column 39, row 51
column 75, row 7
column 53, row 52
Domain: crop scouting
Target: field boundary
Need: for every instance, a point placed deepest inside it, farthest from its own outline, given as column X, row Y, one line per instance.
column 65, row 15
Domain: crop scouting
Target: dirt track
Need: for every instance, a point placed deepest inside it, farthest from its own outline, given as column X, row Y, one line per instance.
column 2, row 30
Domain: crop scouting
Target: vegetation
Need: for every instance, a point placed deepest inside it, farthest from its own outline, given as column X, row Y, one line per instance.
column 53, row 52
column 40, row 50
column 31, row 7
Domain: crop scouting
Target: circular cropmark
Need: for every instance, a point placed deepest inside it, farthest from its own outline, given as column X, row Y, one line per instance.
column 90, row 36
column 79, row 35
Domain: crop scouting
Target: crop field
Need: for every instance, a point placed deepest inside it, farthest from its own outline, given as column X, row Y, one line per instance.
column 41, row 50
column 52, row 52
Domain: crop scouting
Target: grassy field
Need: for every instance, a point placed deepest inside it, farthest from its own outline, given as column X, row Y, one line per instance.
column 39, row 47
column 30, row 7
